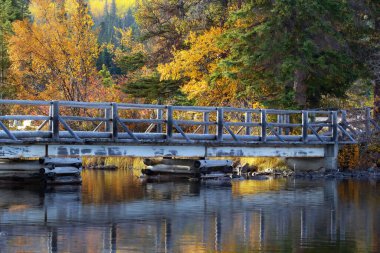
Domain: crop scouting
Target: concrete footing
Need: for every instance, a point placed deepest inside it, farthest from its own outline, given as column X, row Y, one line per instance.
column 328, row 162
column 46, row 170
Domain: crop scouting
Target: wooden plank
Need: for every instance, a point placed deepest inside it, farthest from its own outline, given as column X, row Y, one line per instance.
column 243, row 124
column 346, row 133
column 108, row 118
column 206, row 119
column 231, row 133
column 194, row 123
column 316, row 133
column 150, row 128
column 270, row 124
column 334, row 120
column 220, row 123
column 55, row 120
column 160, row 113
column 263, row 126
column 169, row 122
column 115, row 116
column 276, row 134
column 9, row 134
column 126, row 129
column 79, row 118
column 248, row 120
column 194, row 108
column 43, row 124
column 305, row 125
column 98, row 127
column 24, row 117
column 68, row 128
column 140, row 106
column 76, row 104
column 179, row 129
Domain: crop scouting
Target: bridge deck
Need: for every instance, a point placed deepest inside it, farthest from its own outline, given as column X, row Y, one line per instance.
column 54, row 125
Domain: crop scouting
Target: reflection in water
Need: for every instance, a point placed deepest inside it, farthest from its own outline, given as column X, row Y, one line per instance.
column 115, row 212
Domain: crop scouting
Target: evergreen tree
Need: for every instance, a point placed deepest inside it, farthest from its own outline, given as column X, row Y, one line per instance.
column 6, row 16
column 291, row 52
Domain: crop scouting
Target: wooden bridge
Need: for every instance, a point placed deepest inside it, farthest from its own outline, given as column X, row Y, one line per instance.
column 67, row 128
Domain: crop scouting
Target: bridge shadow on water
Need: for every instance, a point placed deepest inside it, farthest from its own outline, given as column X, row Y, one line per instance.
column 115, row 211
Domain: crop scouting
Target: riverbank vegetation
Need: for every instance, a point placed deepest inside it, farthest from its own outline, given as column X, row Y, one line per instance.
column 259, row 54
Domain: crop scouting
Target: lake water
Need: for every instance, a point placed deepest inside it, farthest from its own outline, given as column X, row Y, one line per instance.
column 114, row 211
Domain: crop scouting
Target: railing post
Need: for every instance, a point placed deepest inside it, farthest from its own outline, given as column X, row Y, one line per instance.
column 206, row 119
column 248, row 119
column 344, row 119
column 54, row 122
column 220, row 122
column 367, row 122
column 263, row 126
column 115, row 115
column 334, row 120
column 169, row 122
column 108, row 117
column 287, row 121
column 305, row 125
column 159, row 117
column 280, row 120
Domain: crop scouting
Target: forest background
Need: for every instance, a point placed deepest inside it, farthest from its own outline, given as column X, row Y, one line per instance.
column 255, row 53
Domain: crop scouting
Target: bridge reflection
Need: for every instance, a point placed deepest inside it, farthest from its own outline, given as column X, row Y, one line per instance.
column 105, row 215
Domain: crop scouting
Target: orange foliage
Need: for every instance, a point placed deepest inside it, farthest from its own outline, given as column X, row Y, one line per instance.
column 54, row 56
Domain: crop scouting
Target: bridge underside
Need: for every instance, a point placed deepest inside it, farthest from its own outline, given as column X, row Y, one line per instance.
column 56, row 150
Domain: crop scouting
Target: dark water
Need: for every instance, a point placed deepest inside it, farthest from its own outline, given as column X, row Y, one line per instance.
column 115, row 212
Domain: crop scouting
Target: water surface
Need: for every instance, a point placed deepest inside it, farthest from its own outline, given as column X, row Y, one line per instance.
column 114, row 211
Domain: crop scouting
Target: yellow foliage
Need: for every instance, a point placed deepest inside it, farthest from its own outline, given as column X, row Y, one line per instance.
column 54, row 56
column 348, row 156
column 263, row 163
column 196, row 64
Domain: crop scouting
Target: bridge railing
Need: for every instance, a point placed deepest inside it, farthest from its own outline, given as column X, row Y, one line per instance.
column 84, row 122
column 360, row 123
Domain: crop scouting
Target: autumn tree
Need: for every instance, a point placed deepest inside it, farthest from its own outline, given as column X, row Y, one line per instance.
column 53, row 56
column 195, row 65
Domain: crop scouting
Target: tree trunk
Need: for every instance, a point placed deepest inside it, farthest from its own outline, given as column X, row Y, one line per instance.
column 300, row 87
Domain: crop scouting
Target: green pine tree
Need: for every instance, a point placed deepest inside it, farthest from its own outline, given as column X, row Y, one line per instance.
column 289, row 53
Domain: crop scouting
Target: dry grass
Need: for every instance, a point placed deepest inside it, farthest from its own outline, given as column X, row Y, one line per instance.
column 119, row 162
column 263, row 163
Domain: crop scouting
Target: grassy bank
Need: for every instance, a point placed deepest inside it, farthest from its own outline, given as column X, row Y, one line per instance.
column 261, row 163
